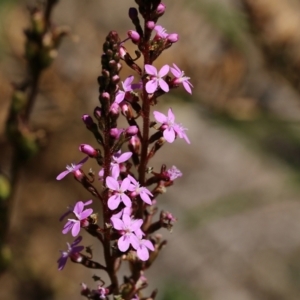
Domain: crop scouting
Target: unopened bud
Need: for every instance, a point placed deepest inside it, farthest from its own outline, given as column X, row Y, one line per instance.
column 134, row 36
column 116, row 79
column 115, row 132
column 134, row 144
column 150, row 25
column 88, row 121
column 161, row 8
column 89, row 150
column 98, row 112
column 172, row 37
column 133, row 13
column 132, row 130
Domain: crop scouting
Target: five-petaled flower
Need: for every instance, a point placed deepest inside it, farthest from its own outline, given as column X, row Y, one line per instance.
column 156, row 78
column 130, row 230
column 81, row 221
column 72, row 252
column 73, row 168
column 181, row 78
column 169, row 127
column 136, row 189
column 119, row 192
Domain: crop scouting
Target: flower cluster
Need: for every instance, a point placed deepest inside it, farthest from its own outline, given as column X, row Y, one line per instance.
column 124, row 185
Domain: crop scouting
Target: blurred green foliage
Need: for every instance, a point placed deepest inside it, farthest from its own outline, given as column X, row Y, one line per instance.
column 174, row 290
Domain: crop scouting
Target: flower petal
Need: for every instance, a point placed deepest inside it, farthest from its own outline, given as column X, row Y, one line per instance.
column 169, row 135
column 125, row 184
column 62, row 175
column 112, row 183
column 126, row 200
column 123, row 243
column 86, row 213
column 142, row 253
column 151, row 86
column 113, row 202
column 117, row 223
column 187, row 87
column 159, row 117
column 123, row 157
column 78, row 209
column 163, row 85
column 68, row 226
column 164, row 71
column 151, row 70
column 76, row 228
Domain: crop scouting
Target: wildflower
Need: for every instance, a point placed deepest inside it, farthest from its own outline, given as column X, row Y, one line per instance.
column 130, row 230
column 114, row 108
column 71, row 208
column 136, row 189
column 117, row 163
column 156, row 78
column 81, row 215
column 174, row 173
column 142, row 250
column 119, row 192
column 170, row 128
column 180, row 78
column 72, row 252
column 161, row 32
column 73, row 168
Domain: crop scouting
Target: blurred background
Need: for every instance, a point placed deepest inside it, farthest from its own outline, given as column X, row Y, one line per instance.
column 238, row 230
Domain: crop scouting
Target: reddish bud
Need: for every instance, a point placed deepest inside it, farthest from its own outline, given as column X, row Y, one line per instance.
column 88, row 121
column 89, row 150
column 173, row 37
column 150, row 25
column 132, row 130
column 134, row 36
column 161, row 8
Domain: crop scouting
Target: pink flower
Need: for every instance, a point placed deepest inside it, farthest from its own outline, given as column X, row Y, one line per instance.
column 136, row 189
column 156, row 78
column 180, row 78
column 143, row 248
column 174, row 173
column 130, row 230
column 81, row 216
column 71, row 208
column 117, row 163
column 170, row 128
column 119, row 192
column 160, row 32
column 73, row 168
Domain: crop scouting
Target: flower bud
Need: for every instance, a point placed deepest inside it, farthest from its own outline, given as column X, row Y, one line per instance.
column 150, row 25
column 114, row 109
column 133, row 13
column 122, row 52
column 161, row 8
column 115, row 79
column 88, row 121
column 105, row 96
column 134, row 144
column 172, row 37
column 89, row 150
column 98, row 112
column 115, row 132
column 132, row 130
column 134, row 36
